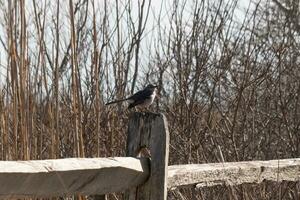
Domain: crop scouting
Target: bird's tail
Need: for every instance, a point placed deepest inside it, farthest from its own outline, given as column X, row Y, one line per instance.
column 116, row 101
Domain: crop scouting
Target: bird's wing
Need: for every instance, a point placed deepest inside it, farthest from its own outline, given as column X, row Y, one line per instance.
column 141, row 95
column 133, row 104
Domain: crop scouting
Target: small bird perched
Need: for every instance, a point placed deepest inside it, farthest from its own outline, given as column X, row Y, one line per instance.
column 143, row 98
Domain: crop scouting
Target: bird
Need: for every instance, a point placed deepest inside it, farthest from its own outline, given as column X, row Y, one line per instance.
column 143, row 98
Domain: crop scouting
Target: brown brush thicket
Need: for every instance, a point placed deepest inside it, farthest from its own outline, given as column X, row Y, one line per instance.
column 228, row 74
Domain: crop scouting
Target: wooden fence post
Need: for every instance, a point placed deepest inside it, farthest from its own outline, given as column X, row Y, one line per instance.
column 150, row 131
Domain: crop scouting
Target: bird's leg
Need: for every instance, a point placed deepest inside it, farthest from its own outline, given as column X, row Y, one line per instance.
column 147, row 109
column 137, row 109
column 141, row 109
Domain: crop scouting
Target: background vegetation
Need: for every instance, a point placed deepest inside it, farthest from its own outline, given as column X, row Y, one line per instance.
column 228, row 73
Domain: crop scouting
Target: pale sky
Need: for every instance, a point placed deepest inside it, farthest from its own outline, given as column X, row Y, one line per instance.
column 157, row 6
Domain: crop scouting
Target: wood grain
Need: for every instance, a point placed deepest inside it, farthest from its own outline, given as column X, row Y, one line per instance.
column 148, row 132
column 62, row 177
column 233, row 173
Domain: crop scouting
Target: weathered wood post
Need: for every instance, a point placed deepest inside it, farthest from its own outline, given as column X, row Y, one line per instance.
column 150, row 130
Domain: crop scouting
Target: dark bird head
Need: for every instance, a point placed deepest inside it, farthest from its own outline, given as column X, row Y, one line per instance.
column 150, row 86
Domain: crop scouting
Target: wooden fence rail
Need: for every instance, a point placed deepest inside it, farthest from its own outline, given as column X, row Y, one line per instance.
column 61, row 177
column 139, row 176
column 89, row 176
column 233, row 173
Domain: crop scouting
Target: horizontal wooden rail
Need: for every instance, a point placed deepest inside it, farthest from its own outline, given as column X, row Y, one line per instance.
column 61, row 177
column 233, row 173
column 87, row 176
